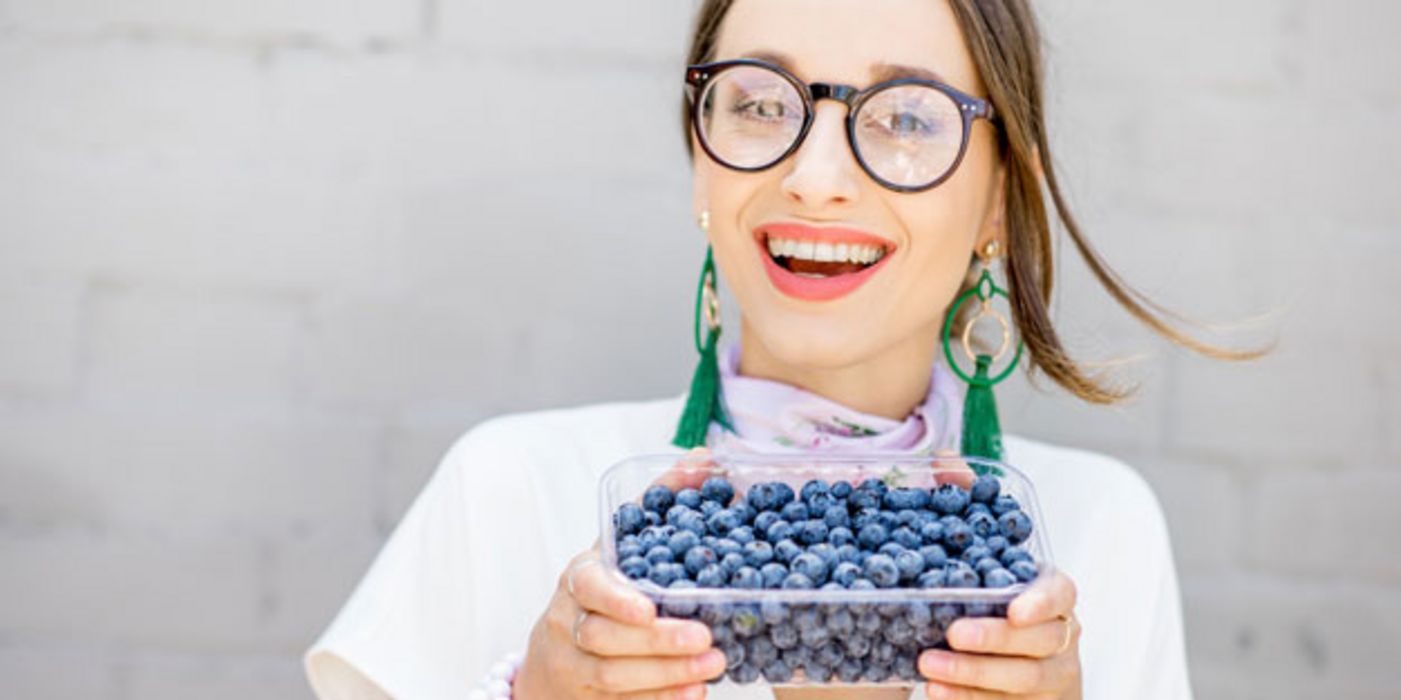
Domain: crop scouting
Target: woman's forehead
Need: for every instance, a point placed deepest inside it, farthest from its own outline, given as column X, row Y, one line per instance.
column 851, row 41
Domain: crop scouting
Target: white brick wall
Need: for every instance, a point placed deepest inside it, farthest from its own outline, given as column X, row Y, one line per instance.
column 246, row 248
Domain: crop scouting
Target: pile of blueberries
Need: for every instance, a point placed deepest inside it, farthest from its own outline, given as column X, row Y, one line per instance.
column 827, row 536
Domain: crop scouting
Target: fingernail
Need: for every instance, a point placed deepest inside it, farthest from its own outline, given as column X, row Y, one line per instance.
column 969, row 635
column 938, row 663
column 710, row 662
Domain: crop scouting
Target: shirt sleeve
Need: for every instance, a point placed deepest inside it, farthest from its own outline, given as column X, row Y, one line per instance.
column 416, row 626
column 1140, row 651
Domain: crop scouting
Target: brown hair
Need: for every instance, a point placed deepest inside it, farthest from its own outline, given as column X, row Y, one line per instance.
column 1006, row 46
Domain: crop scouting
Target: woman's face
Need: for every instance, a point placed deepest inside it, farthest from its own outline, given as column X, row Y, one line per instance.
column 928, row 236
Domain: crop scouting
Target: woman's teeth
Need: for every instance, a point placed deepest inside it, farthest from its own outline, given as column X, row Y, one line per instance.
column 825, row 252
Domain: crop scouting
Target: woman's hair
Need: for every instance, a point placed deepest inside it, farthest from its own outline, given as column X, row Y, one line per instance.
column 1006, row 46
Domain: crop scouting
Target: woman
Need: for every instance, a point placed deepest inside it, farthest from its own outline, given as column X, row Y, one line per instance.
column 845, row 248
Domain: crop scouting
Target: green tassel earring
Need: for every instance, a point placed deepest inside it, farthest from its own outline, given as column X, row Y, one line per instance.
column 705, row 402
column 982, row 434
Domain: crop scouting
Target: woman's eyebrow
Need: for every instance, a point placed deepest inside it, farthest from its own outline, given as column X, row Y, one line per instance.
column 880, row 72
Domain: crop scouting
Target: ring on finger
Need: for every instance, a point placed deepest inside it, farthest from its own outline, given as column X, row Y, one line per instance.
column 579, row 623
column 1069, row 628
column 569, row 576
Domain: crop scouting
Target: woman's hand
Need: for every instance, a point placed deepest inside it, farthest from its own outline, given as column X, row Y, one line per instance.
column 605, row 640
column 1034, row 653
column 601, row 638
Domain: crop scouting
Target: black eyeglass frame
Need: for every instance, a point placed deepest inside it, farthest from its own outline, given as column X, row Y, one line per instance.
column 969, row 108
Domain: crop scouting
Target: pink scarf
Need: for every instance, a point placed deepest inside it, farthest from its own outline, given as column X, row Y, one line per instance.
column 773, row 417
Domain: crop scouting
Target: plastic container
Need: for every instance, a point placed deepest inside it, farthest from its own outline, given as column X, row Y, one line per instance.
column 898, row 623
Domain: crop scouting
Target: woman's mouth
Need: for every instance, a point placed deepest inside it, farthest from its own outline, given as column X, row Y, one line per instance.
column 819, row 264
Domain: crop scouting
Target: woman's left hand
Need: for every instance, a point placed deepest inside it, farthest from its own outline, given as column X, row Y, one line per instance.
column 1034, row 653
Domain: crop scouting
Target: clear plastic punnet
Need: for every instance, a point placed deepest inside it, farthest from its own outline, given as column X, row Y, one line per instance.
column 831, row 632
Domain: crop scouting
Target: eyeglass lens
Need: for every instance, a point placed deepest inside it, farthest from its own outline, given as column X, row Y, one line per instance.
column 907, row 135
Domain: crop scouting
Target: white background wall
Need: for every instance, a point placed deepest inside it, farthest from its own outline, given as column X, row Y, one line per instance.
column 260, row 262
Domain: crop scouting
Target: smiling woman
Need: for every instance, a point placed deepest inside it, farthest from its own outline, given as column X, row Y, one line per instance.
column 858, row 166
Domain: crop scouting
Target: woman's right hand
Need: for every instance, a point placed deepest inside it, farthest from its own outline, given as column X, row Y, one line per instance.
column 601, row 638
column 606, row 640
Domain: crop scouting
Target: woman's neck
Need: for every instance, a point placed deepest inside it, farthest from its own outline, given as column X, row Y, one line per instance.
column 889, row 385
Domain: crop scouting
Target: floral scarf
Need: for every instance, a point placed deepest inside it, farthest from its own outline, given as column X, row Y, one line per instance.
column 774, row 417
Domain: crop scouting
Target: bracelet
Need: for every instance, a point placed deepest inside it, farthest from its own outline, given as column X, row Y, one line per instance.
column 496, row 684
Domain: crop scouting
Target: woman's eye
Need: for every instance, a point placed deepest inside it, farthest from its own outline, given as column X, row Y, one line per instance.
column 762, row 109
column 904, row 124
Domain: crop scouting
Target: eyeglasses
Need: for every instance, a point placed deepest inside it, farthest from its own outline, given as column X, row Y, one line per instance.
column 908, row 134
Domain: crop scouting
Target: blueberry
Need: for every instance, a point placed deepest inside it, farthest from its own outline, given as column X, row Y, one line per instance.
column 698, row 558
column 1013, row 553
column 783, row 636
column 744, row 673
column 998, row 578
column 906, row 538
column 799, row 581
column 631, row 547
column 731, row 562
column 839, row 536
column 934, row 555
column 712, row 576
column 657, row 499
column 872, row 536
column 905, row 499
column 975, row 552
column 777, row 672
column 849, row 552
column 782, row 494
column 721, row 521
column 844, row 573
column 960, row 575
column 708, row 508
column 681, row 542
column 882, row 571
column 811, row 566
column 742, row 534
column 746, row 623
column 910, row 564
column 891, row 549
column 635, row 567
column 996, row 544
column 949, row 499
column 1024, row 569
column 780, row 530
column 812, row 488
column 978, row 508
column 813, row 638
column 717, row 489
column 747, row 577
column 934, row 578
column 664, row 574
column 773, row 574
column 757, row 553
column 985, row 488
column 786, row 551
column 660, row 554
column 774, row 612
column 931, row 533
column 812, row 532
column 1004, row 504
column 841, row 489
column 763, row 520
column 761, row 650
column 850, row 670
column 983, row 524
column 652, row 518
column 734, row 654
column 795, row 512
column 836, row 516
column 629, row 519
column 826, row 552
column 691, row 520
column 816, row 672
column 760, row 497
column 863, row 499
column 958, row 537
column 1014, row 525
column 744, row 512
column 725, row 545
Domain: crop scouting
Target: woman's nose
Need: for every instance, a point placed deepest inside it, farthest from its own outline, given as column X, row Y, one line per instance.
column 824, row 170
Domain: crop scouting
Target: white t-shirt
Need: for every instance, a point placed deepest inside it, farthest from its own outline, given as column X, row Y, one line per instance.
column 476, row 558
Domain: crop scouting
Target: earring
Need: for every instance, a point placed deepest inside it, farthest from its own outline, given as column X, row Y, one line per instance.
column 704, row 403
column 982, row 434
